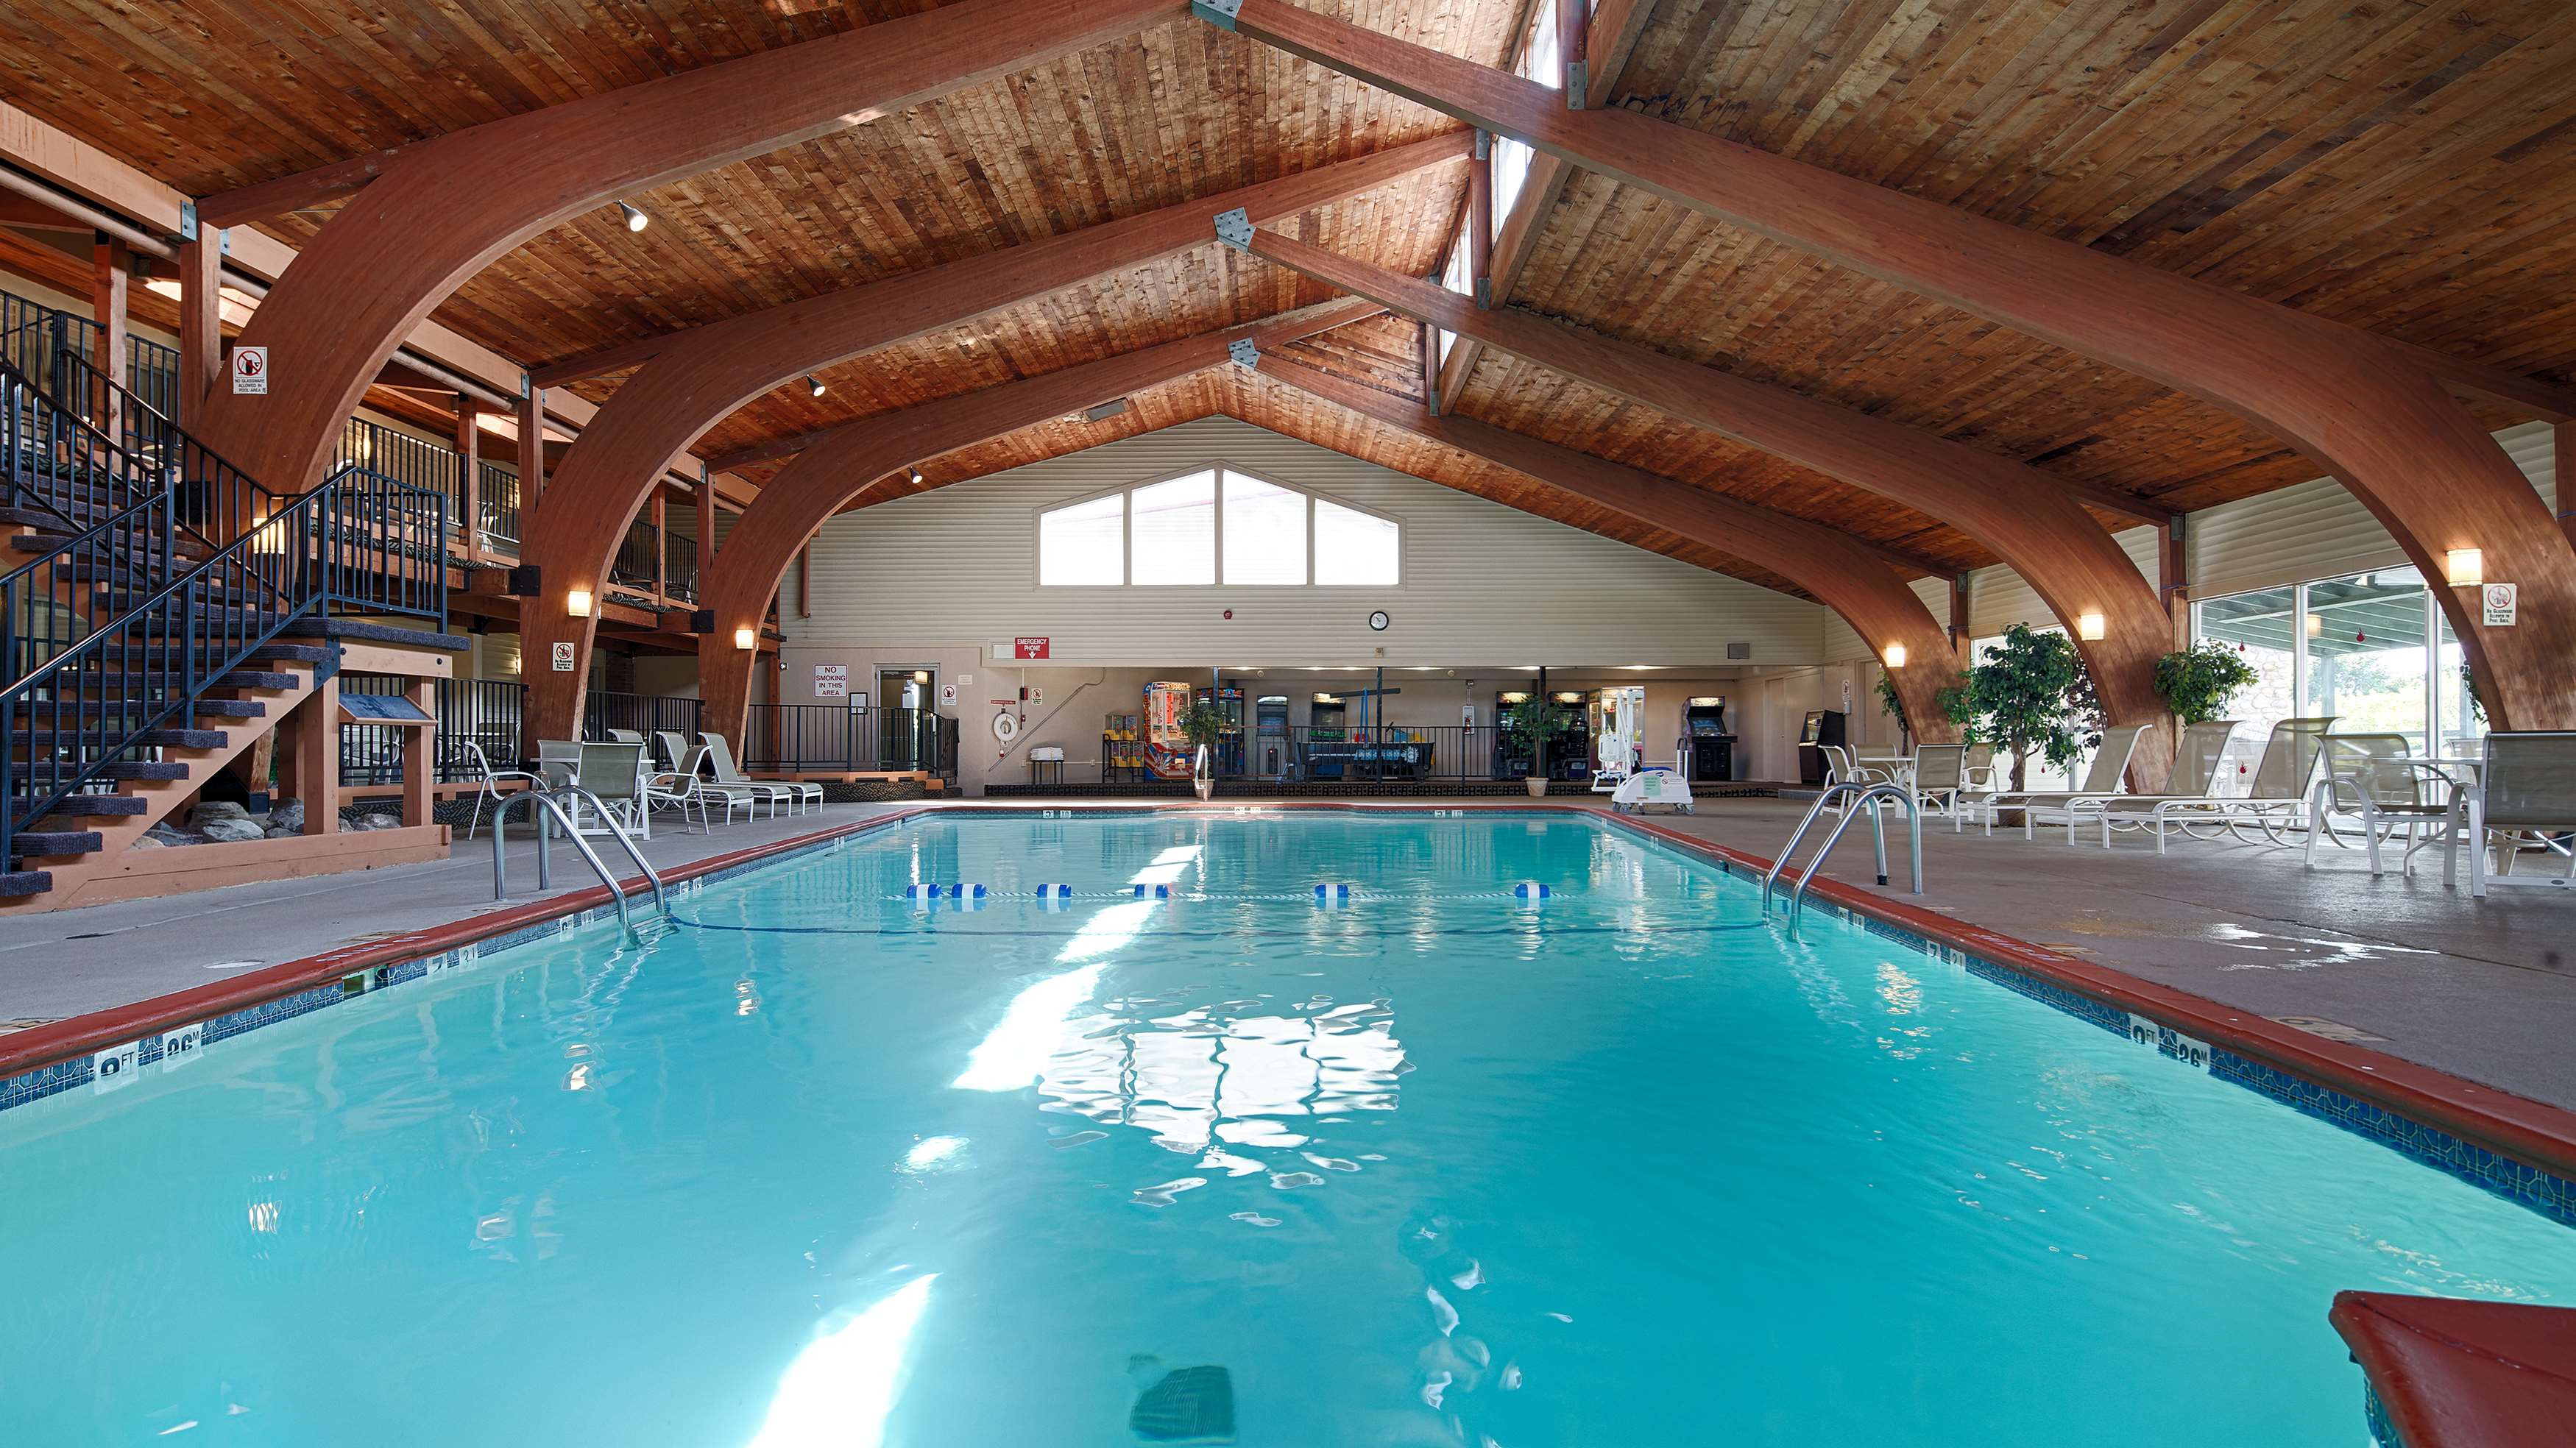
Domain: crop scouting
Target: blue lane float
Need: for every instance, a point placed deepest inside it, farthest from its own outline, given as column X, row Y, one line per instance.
column 1053, row 898
column 1530, row 890
column 964, row 896
column 1153, row 892
column 1330, row 896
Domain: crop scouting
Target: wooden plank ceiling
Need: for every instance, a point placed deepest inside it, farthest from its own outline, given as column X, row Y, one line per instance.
column 2401, row 166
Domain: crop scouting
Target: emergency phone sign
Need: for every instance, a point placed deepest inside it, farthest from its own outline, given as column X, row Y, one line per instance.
column 250, row 371
column 1029, row 648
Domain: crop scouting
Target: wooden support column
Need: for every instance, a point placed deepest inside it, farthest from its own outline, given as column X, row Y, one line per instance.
column 112, row 276
column 419, row 755
column 1959, row 613
column 1480, row 220
column 805, row 580
column 532, row 452
column 469, row 483
column 1573, row 40
column 2563, row 440
column 661, row 546
column 1431, row 368
column 706, row 529
column 201, row 322
column 317, row 758
column 2173, row 581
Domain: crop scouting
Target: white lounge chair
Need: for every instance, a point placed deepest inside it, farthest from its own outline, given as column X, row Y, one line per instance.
column 730, row 776
column 2526, row 793
column 2277, row 802
column 691, row 761
column 2195, row 776
column 2110, row 762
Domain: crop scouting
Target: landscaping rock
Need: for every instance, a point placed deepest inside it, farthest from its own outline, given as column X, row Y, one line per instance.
column 214, row 811
column 287, row 818
column 229, row 831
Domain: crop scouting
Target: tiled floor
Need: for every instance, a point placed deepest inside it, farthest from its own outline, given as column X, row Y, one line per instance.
column 2485, row 990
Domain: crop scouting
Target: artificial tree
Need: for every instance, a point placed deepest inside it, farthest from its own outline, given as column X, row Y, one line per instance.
column 2197, row 683
column 2028, row 695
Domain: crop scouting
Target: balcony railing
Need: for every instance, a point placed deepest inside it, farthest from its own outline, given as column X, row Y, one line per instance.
column 823, row 738
column 680, row 560
column 33, row 335
column 638, row 558
column 499, row 486
column 487, row 713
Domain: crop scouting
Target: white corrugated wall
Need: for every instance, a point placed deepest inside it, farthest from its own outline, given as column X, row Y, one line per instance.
column 1482, row 583
column 2312, row 530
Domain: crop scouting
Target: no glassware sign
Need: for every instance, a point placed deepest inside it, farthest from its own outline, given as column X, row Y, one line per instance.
column 250, row 371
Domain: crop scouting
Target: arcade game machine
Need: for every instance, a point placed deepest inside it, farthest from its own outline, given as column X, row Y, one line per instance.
column 1167, row 749
column 1229, row 745
column 1824, row 726
column 1569, row 746
column 1707, row 749
column 1510, row 762
column 1617, row 717
column 1274, row 753
column 1327, row 737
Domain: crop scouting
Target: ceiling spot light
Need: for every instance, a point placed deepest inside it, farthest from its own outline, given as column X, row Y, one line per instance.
column 814, row 386
column 917, row 479
column 1895, row 656
column 2091, row 626
column 635, row 220
column 2465, row 567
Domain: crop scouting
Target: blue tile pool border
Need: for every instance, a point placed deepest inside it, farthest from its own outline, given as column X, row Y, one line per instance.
column 2544, row 1191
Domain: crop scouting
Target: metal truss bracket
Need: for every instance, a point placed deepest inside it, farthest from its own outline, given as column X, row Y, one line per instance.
column 1245, row 351
column 1217, row 12
column 1234, row 228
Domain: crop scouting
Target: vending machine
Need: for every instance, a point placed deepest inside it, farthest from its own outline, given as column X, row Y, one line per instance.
column 1167, row 749
column 1823, row 727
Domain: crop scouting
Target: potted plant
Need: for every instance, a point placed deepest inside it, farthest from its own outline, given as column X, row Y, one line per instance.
column 2197, row 683
column 2028, row 695
column 1894, row 708
column 1526, row 729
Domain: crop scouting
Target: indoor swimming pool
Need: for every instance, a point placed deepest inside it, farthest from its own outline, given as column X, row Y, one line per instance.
column 1185, row 1149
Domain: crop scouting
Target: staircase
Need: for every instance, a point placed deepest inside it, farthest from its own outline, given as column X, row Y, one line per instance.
column 160, row 612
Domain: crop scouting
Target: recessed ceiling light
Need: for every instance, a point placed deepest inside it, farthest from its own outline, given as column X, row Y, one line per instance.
column 635, row 220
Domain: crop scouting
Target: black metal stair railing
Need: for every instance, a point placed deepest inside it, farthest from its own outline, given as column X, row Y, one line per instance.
column 360, row 543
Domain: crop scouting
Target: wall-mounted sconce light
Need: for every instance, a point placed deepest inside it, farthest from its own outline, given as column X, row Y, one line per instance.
column 1895, row 656
column 577, row 603
column 746, row 639
column 2091, row 626
column 2465, row 567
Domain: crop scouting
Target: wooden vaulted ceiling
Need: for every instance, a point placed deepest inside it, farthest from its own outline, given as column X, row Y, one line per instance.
column 2403, row 165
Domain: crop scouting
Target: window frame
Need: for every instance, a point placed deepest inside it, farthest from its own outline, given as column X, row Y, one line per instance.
column 1222, row 470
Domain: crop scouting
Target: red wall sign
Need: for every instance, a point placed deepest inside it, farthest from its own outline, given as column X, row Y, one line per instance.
column 1028, row 648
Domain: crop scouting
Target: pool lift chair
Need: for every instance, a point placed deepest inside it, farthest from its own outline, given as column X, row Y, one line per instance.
column 1863, row 798
column 1660, row 786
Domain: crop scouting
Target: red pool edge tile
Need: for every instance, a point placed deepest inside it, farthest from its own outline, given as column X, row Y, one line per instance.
column 2452, row 1373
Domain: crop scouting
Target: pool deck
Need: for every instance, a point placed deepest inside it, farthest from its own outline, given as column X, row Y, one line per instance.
column 2483, row 990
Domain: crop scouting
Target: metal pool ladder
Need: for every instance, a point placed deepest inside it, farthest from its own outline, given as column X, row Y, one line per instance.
column 1862, row 796
column 553, row 802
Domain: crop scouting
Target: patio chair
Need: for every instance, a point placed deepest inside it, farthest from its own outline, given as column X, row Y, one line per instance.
column 488, row 783
column 559, row 760
column 2110, row 762
column 2525, row 791
column 624, row 736
column 730, row 776
column 615, row 774
column 2195, row 776
column 1940, row 772
column 683, row 790
column 2277, row 800
column 2376, row 777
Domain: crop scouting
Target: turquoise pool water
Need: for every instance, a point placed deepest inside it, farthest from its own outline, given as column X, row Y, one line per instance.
column 1435, row 1168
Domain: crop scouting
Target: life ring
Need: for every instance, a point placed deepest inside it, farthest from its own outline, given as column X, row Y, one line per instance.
column 1006, row 726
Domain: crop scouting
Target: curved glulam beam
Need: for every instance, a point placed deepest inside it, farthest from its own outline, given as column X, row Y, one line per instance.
column 440, row 211
column 2030, row 520
column 2375, row 411
column 1843, row 573
column 699, row 376
column 841, row 465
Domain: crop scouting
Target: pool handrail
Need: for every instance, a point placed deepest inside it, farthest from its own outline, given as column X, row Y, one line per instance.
column 1863, row 795
column 553, row 802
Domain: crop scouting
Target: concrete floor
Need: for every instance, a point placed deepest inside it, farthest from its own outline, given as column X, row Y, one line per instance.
column 2483, row 990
